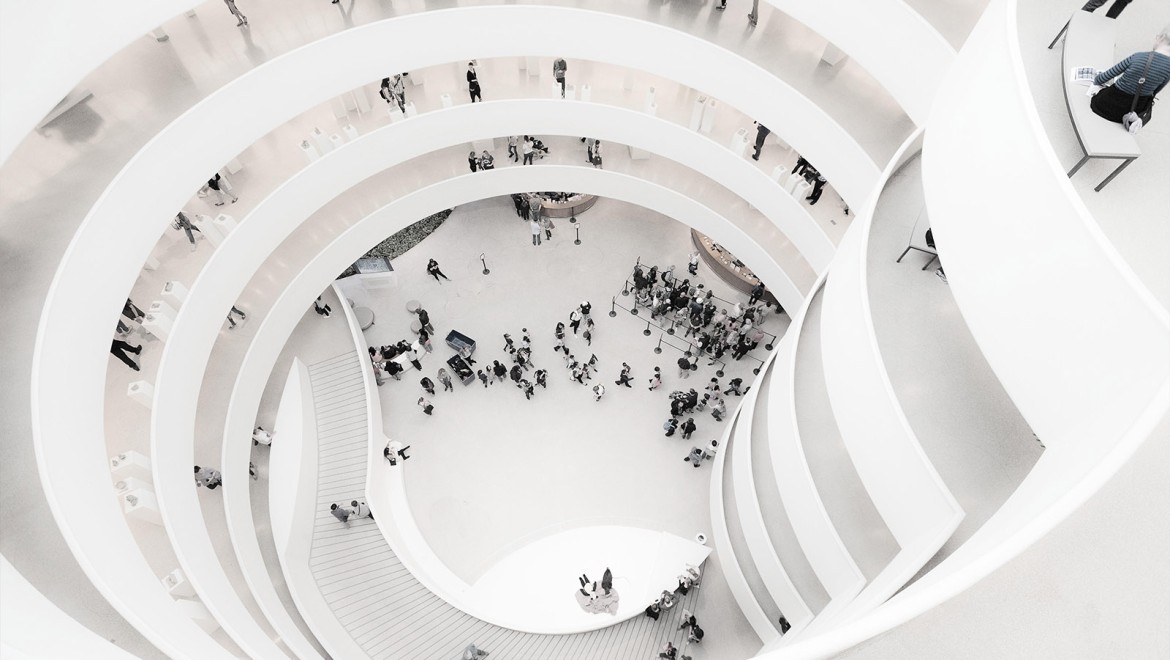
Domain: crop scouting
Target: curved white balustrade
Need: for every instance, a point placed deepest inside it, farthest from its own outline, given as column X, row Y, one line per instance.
column 818, row 537
column 907, row 491
column 721, row 537
column 1078, row 343
column 327, row 68
column 905, row 54
column 747, row 503
column 70, row 40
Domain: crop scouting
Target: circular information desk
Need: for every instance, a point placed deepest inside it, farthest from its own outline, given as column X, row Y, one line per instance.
column 576, row 204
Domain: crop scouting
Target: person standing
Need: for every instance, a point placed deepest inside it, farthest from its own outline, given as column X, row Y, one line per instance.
column 547, row 225
column 486, row 161
column 598, row 392
column 341, row 513
column 761, row 135
column 445, row 379
column 426, row 405
column 754, row 16
column 528, row 150
column 398, row 89
column 207, row 477
column 534, row 227
column 527, row 388
column 575, row 320
column 119, row 349
column 818, row 187
column 473, row 83
column 684, row 367
column 231, row 5
column 513, row 142
column 482, row 377
column 757, row 293
column 434, row 271
column 542, row 378
column 473, row 162
column 559, row 68
column 361, row 509
column 235, row 311
column 595, row 156
column 473, row 653
column 801, row 165
column 656, row 379
column 427, row 385
column 385, row 92
column 424, row 321
column 688, row 427
column 322, row 308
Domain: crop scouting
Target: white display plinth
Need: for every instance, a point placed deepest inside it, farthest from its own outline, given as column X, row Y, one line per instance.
column 802, row 189
column 159, row 34
column 570, row 93
column 649, row 98
column 652, row 109
column 445, row 100
column 209, row 231
column 234, row 165
column 338, row 107
column 158, row 325
column 174, row 293
column 697, row 113
column 396, row 115
column 130, row 464
column 481, row 146
column 142, row 392
column 162, row 307
column 123, row 486
column 738, row 142
column 336, row 140
column 709, row 116
column 780, row 174
column 586, row 93
column 351, row 133
column 410, row 109
column 532, row 64
column 363, row 101
column 417, row 79
column 790, row 185
column 322, row 141
column 310, row 152
column 832, row 55
column 555, row 91
column 177, row 585
column 198, row 612
column 142, row 505
column 224, row 224
column 151, row 263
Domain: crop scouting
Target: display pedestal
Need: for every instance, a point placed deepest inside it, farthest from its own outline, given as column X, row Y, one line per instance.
column 141, row 392
column 142, row 505
column 310, row 152
column 780, row 175
column 801, row 190
column 177, row 585
column 832, row 55
column 738, row 143
column 570, row 93
column 322, row 141
column 158, row 325
column 586, row 93
column 130, row 484
column 234, row 165
column 363, row 101
column 130, row 465
column 697, row 113
column 161, row 307
column 224, row 224
column 395, row 114
column 709, row 116
column 410, row 109
column 445, row 100
column 198, row 613
column 351, row 133
column 175, row 293
column 336, row 140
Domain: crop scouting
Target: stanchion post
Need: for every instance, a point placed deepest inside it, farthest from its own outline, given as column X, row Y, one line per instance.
column 670, row 330
column 613, row 307
column 658, row 348
column 647, row 330
column 578, row 231
column 483, row 260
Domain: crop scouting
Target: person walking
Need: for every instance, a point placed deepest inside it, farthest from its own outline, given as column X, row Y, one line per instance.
column 684, row 366
column 575, row 320
column 207, row 477
column 472, row 162
column 547, row 225
column 393, row 451
column 761, row 135
column 595, row 158
column 527, row 149
column 427, row 385
column 559, row 68
column 499, row 371
column 424, row 321
column 754, row 14
column 427, row 407
column 527, row 388
column 322, row 308
column 473, row 89
column 434, row 271
column 542, row 378
column 361, row 509
column 398, row 89
column 598, row 392
column 235, row 311
column 482, row 377
column 733, row 387
column 688, row 427
column 341, row 513
column 624, row 377
column 514, row 142
column 534, row 227
column 670, row 426
column 656, row 379
column 183, row 223
column 222, row 189
column 119, row 349
column 231, row 5
column 414, row 357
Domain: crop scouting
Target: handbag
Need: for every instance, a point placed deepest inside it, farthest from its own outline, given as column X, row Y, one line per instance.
column 1135, row 119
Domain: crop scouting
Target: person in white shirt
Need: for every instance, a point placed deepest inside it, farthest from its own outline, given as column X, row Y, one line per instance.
column 598, row 392
column 261, row 437
column 361, row 509
column 534, row 226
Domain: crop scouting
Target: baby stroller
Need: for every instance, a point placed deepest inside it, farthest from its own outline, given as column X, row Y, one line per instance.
column 538, row 148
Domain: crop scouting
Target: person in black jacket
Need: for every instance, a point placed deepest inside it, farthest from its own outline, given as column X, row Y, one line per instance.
column 473, row 83
column 761, row 135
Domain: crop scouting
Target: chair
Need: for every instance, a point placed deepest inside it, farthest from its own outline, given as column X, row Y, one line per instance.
column 918, row 240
